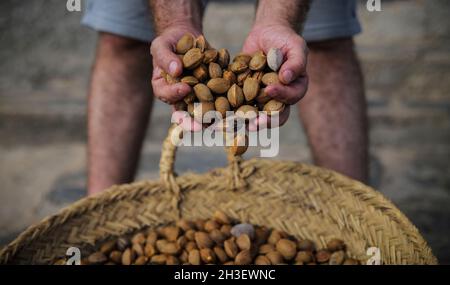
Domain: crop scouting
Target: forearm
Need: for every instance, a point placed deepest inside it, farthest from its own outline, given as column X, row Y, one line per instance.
column 181, row 13
column 287, row 12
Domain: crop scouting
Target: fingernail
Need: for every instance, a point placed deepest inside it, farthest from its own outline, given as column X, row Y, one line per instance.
column 288, row 76
column 173, row 68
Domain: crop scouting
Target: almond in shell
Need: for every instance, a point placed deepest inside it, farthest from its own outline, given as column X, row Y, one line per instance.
column 218, row 85
column 192, row 58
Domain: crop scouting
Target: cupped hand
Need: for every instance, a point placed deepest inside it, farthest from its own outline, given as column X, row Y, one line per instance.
column 292, row 73
column 166, row 60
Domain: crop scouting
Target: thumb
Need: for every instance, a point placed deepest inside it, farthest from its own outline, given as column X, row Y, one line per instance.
column 164, row 57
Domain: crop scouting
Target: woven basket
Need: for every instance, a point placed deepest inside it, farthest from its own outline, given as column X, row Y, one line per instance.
column 305, row 201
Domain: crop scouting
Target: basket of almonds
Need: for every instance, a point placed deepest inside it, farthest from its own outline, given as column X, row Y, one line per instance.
column 255, row 211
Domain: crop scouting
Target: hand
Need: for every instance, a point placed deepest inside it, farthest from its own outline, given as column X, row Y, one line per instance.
column 165, row 59
column 292, row 74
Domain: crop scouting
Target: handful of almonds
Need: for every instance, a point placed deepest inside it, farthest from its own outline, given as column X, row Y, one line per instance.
column 218, row 240
column 223, row 86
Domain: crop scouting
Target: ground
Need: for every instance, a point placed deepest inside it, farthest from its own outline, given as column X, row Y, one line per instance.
column 45, row 59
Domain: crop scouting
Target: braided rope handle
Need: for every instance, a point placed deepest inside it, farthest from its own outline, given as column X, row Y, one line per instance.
column 167, row 163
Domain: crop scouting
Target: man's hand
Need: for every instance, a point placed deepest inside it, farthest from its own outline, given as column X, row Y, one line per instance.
column 276, row 26
column 173, row 19
column 165, row 60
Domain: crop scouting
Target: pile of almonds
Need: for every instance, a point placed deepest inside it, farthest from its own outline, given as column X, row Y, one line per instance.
column 215, row 241
column 220, row 85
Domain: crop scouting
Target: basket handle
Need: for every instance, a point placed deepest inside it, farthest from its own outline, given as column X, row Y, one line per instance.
column 167, row 161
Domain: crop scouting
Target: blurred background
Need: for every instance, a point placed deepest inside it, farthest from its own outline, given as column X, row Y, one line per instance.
column 45, row 61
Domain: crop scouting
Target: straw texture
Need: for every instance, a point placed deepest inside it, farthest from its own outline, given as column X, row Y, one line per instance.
column 305, row 201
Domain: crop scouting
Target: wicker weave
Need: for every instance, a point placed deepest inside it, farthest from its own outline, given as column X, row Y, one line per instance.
column 305, row 201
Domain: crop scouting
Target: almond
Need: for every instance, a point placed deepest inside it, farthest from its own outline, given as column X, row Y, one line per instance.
column 203, row 240
column 201, row 110
column 239, row 145
column 201, row 73
column 222, row 106
column 263, row 97
column 235, row 96
column 211, row 225
column 172, row 260
column 201, row 43
column 193, row 58
column 242, row 76
column 185, row 43
column 116, row 256
column 247, row 112
column 270, row 78
column 275, row 257
column 258, row 61
column 287, row 248
column 323, row 256
column 218, row 85
column 167, row 247
column 274, row 58
column 221, row 217
column 97, row 258
column 238, row 66
column 230, row 76
column 220, row 254
column 149, row 250
column 243, row 258
column 203, row 93
column 306, row 245
column 266, row 248
column 159, row 259
column 108, row 246
column 189, row 98
column 171, row 233
column 190, row 80
column 207, row 255
column 217, row 236
column 194, row 257
column 215, row 71
column 273, row 106
column 304, row 257
column 210, row 56
column 128, row 257
column 138, row 238
column 244, row 242
column 262, row 260
column 258, row 75
column 230, row 248
column 185, row 224
column 223, row 58
column 335, row 245
column 243, row 57
column 141, row 260
column 250, row 89
column 337, row 257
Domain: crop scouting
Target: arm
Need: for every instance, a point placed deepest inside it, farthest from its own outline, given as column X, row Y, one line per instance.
column 277, row 24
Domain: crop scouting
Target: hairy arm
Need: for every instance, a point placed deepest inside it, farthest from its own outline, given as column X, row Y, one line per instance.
column 288, row 12
column 176, row 13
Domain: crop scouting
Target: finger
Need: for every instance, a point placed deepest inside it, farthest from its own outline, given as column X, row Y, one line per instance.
column 186, row 122
column 296, row 58
column 168, row 93
column 277, row 120
column 289, row 94
column 163, row 55
column 264, row 121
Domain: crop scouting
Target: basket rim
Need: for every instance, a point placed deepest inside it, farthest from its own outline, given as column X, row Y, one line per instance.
column 116, row 192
